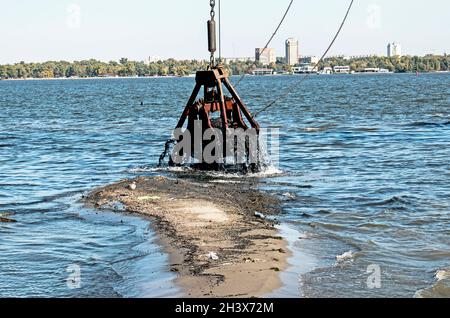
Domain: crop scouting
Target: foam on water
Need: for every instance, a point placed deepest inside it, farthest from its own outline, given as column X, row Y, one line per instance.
column 345, row 257
column 440, row 289
column 266, row 172
column 153, row 169
column 443, row 274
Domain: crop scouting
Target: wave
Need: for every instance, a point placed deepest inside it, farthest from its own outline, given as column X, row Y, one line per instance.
column 366, row 129
column 6, row 214
column 328, row 226
column 373, row 225
column 319, row 128
column 428, row 124
column 403, row 200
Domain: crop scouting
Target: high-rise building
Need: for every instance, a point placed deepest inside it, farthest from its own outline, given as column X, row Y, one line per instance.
column 266, row 56
column 292, row 51
column 394, row 49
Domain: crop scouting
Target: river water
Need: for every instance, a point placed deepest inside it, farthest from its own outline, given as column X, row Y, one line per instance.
column 364, row 173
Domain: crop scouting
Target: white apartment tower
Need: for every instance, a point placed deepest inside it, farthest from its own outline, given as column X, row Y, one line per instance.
column 292, row 51
column 394, row 49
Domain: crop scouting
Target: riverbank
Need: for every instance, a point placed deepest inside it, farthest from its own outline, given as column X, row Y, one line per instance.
column 193, row 75
column 217, row 245
column 85, row 78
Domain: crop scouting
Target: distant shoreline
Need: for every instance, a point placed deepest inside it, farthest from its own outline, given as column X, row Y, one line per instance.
column 192, row 76
column 85, row 78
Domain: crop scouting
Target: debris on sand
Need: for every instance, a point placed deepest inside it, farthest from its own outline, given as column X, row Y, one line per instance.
column 132, row 186
column 260, row 215
column 213, row 256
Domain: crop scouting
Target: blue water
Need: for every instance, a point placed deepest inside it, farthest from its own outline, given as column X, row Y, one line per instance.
column 365, row 171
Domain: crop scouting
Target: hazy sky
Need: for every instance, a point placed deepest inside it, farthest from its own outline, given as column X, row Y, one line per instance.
column 43, row 30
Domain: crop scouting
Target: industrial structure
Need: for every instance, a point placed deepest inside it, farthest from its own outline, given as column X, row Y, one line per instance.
column 219, row 109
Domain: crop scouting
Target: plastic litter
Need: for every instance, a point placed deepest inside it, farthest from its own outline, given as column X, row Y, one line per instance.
column 260, row 215
column 213, row 256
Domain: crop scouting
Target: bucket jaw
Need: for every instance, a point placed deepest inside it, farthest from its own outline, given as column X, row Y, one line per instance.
column 225, row 117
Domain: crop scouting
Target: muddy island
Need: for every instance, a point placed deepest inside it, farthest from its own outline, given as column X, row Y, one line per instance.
column 220, row 237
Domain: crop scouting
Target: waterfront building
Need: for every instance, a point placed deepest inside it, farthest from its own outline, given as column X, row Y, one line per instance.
column 326, row 71
column 342, row 69
column 262, row 71
column 375, row 70
column 371, row 70
column 304, row 69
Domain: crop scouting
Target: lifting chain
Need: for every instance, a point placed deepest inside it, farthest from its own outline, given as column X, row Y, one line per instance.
column 213, row 12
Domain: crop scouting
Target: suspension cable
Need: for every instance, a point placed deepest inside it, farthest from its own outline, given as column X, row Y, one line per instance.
column 268, row 42
column 290, row 89
column 220, row 32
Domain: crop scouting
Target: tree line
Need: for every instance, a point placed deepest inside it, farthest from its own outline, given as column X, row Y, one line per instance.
column 95, row 68
column 405, row 64
column 172, row 67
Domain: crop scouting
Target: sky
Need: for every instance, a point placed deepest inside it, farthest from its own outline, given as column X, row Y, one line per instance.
column 37, row 31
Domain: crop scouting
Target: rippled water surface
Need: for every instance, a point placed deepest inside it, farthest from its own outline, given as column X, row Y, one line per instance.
column 365, row 180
